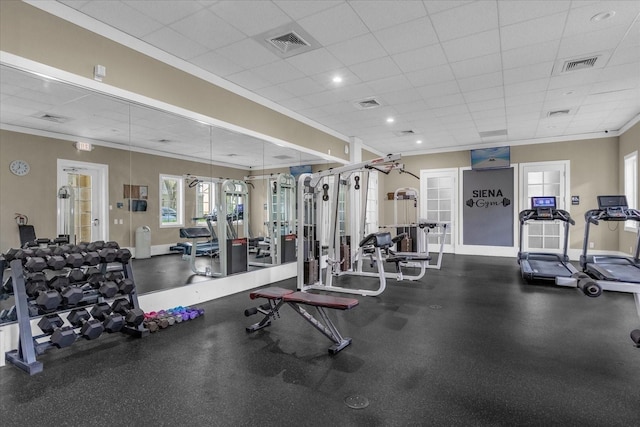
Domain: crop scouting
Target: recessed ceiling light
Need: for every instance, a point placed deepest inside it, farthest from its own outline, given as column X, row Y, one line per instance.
column 419, row 141
column 390, row 120
column 337, row 79
column 603, row 16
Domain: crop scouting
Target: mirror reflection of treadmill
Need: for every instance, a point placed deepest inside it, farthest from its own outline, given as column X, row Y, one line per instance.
column 545, row 266
column 612, row 268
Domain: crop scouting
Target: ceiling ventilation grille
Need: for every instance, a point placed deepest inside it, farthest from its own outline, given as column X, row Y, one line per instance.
column 52, row 118
column 367, row 104
column 558, row 113
column 579, row 64
column 408, row 132
column 282, row 157
column 492, row 133
column 288, row 42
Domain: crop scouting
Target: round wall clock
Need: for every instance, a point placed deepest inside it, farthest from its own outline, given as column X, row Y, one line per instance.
column 19, row 167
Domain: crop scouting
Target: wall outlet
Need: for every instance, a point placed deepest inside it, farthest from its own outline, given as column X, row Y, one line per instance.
column 115, row 222
column 591, row 245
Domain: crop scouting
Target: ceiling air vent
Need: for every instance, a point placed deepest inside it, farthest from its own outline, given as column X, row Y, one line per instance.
column 492, row 133
column 404, row 133
column 579, row 64
column 558, row 113
column 52, row 118
column 367, row 104
column 282, row 157
column 287, row 40
column 589, row 62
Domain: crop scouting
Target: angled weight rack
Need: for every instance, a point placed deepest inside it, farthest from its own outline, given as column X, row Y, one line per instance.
column 29, row 348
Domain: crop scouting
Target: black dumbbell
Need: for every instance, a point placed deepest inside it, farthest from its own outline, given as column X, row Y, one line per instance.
column 123, row 255
column 62, row 250
column 89, row 328
column 54, row 262
column 126, row 286
column 108, row 254
column 112, row 322
column 108, row 289
column 10, row 255
column 71, row 295
column 111, row 244
column 49, row 299
column 95, row 246
column 61, row 336
column 76, row 275
column 94, row 277
column 132, row 316
column 9, row 314
column 74, row 260
column 35, row 283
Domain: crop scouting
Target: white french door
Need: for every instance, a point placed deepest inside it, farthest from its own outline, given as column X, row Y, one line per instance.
column 82, row 201
column 544, row 179
column 438, row 195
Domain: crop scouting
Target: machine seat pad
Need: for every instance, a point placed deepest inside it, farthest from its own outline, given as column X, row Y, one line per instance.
column 270, row 293
column 413, row 256
column 317, row 300
column 194, row 233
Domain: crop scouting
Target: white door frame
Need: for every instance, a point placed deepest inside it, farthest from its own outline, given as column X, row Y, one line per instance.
column 102, row 187
column 452, row 229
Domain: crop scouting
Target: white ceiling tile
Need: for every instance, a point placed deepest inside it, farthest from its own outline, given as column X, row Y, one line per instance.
column 408, row 36
column 334, row 25
column 175, row 43
column 425, row 57
column 474, row 46
column 444, row 101
column 409, row 107
column 402, row 97
column 518, row 104
column 588, row 43
column 431, row 75
column 487, row 125
column 472, row 18
column 207, row 29
column 625, row 55
column 303, row 86
column 356, row 50
column 390, row 84
column 295, row 104
column 320, row 98
column 575, row 78
column 514, row 90
column 579, row 20
column 166, row 11
column 435, row 6
column 480, row 82
column 526, row 74
column 491, row 93
column 453, row 110
column 354, row 92
column 315, row 62
column 533, row 31
column 377, row 69
column 476, row 66
column 532, row 54
column 490, row 105
column 385, row 13
column 458, row 121
column 247, row 53
column 512, row 12
column 621, row 72
column 300, row 9
column 122, row 17
column 251, row 17
column 216, row 64
column 437, row 90
column 278, row 72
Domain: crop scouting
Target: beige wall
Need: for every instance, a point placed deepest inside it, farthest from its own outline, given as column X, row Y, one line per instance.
column 36, row 35
column 35, row 194
column 594, row 171
column 629, row 142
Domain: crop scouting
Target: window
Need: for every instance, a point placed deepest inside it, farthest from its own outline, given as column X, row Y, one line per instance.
column 631, row 186
column 371, row 217
column 205, row 201
column 171, row 200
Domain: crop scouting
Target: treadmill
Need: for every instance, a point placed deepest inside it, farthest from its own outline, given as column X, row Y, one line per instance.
column 611, row 268
column 545, row 266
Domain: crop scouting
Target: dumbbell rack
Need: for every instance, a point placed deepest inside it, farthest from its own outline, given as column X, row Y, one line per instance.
column 25, row 356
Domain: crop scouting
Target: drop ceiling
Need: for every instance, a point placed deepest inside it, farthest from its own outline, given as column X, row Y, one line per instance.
column 451, row 74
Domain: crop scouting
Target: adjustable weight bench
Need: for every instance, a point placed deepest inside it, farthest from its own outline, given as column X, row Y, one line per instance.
column 278, row 296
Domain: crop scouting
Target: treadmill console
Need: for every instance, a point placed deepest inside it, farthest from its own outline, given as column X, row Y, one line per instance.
column 615, row 207
column 544, row 206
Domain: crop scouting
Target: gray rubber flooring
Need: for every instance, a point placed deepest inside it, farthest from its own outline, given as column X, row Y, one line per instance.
column 469, row 345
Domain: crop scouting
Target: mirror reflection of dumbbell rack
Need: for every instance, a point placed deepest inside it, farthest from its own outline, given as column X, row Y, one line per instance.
column 70, row 278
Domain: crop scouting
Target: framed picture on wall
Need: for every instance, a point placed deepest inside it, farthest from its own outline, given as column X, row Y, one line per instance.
column 144, row 192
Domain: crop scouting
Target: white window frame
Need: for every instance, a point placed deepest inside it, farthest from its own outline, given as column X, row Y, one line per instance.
column 212, row 202
column 630, row 178
column 179, row 205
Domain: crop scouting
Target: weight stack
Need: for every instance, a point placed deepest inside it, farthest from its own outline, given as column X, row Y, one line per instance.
column 310, row 271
